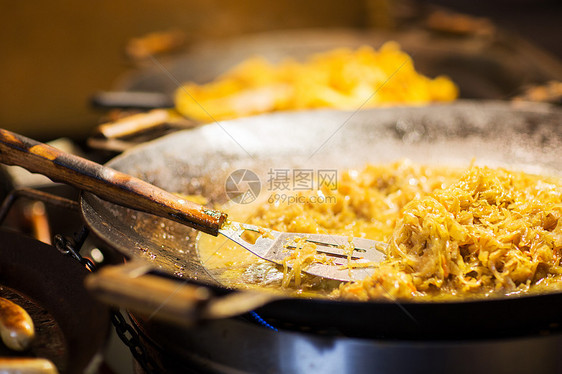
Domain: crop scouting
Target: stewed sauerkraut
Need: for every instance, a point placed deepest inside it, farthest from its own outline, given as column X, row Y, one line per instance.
column 490, row 231
column 477, row 231
column 341, row 78
column 451, row 232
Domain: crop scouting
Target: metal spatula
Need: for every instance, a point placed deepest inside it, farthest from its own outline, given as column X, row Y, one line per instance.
column 123, row 189
column 276, row 246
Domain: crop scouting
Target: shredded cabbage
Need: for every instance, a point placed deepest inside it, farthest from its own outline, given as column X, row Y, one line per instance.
column 451, row 232
column 340, row 78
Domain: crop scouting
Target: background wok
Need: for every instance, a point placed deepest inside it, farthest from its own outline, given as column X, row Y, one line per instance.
column 199, row 161
column 484, row 68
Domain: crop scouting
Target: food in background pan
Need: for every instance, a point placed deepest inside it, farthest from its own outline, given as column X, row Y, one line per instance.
column 342, row 78
column 451, row 233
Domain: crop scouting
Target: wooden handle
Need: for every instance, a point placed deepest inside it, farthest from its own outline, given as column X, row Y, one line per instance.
column 128, row 286
column 107, row 183
column 133, row 124
column 16, row 326
column 26, row 365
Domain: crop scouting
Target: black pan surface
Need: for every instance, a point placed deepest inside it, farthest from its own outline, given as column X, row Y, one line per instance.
column 198, row 161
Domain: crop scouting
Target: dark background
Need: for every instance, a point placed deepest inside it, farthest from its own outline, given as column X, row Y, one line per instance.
column 56, row 54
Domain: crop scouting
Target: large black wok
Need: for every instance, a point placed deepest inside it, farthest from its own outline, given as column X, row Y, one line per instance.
column 198, row 161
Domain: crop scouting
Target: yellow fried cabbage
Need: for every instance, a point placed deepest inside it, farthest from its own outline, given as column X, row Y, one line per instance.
column 479, row 231
column 341, row 78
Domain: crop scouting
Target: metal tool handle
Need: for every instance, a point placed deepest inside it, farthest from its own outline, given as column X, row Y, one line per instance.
column 107, row 183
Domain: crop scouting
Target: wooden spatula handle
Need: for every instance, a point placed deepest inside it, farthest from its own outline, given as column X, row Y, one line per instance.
column 107, row 183
column 148, row 295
